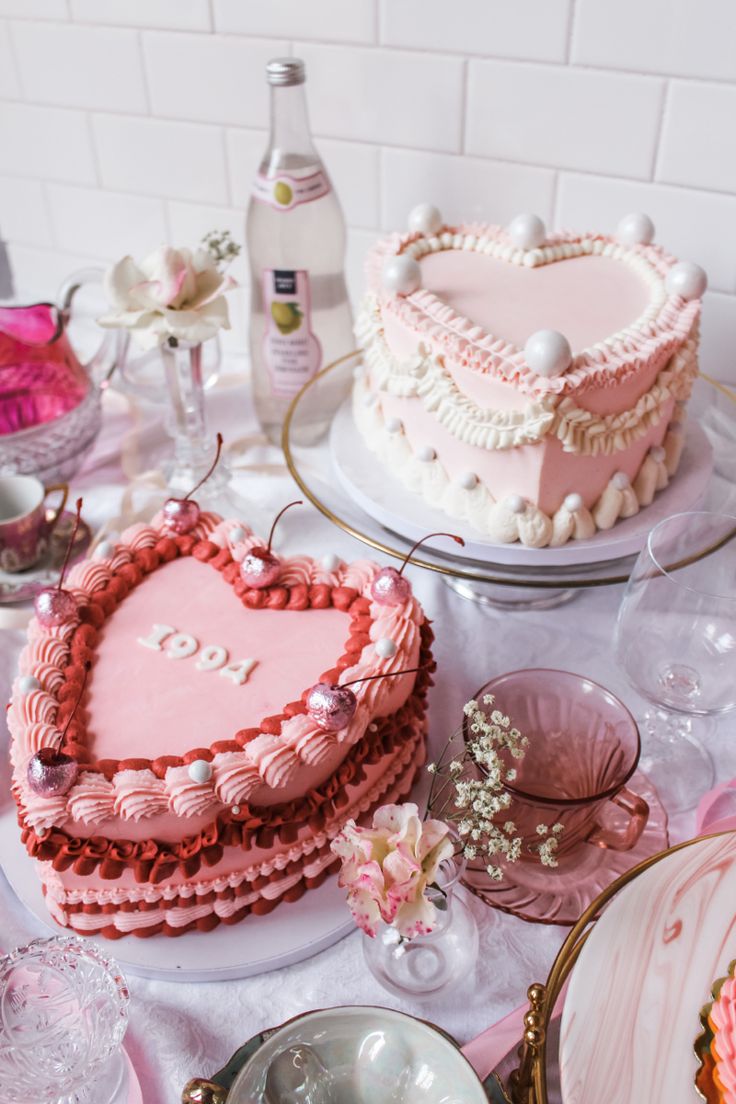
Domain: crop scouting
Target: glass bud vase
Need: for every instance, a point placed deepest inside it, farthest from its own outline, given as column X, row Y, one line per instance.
column 186, row 421
column 423, row 967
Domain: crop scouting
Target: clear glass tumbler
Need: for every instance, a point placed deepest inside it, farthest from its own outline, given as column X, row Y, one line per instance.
column 676, row 642
column 63, row 1015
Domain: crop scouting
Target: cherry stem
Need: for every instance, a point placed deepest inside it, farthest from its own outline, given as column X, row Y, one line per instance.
column 69, row 547
column 386, row 674
column 276, row 520
column 70, row 718
column 412, row 550
column 212, row 467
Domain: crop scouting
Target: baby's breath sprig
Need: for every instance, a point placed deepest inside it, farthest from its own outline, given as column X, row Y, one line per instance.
column 478, row 802
column 221, row 247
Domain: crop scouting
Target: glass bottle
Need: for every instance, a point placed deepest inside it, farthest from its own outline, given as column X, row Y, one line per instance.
column 300, row 317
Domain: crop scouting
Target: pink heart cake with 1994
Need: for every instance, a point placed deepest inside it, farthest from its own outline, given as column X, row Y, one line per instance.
column 204, row 788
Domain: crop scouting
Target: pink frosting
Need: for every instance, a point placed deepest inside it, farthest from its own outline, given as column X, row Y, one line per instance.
column 269, row 766
column 723, row 1021
column 139, row 794
column 91, row 800
column 625, row 353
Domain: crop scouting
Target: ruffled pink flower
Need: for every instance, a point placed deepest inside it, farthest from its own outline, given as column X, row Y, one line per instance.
column 388, row 867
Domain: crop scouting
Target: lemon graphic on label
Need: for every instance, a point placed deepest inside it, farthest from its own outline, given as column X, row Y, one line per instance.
column 287, row 317
column 282, row 193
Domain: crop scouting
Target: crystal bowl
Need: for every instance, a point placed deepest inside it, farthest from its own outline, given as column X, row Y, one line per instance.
column 53, row 450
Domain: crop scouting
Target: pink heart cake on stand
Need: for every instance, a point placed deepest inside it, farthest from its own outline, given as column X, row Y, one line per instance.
column 532, row 385
column 187, row 778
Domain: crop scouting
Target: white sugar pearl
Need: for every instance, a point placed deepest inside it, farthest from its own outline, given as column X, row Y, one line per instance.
column 548, row 353
column 104, row 550
column 401, row 274
column 620, row 480
column 515, row 503
column 426, row 453
column 200, row 770
column 468, row 481
column 236, row 534
column 385, row 647
column 27, row 683
column 687, row 280
column 527, row 231
column 235, row 810
column 330, row 562
column 635, row 229
column 657, row 454
column 425, row 219
column 393, row 425
column 573, row 502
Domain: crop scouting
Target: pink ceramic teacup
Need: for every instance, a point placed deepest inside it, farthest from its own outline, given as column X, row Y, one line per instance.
column 25, row 523
column 583, row 749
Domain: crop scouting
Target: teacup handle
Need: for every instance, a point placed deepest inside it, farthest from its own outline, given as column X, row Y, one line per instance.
column 52, row 489
column 626, row 838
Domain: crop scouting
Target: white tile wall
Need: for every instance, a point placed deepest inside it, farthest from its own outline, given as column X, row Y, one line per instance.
column 126, row 121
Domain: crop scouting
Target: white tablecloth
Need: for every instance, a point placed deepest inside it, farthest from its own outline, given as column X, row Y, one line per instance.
column 179, row 1031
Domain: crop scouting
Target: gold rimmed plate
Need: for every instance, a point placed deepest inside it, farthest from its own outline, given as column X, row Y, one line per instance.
column 312, row 470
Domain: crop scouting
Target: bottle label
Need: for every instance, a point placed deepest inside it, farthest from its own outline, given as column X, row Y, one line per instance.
column 290, row 348
column 283, row 192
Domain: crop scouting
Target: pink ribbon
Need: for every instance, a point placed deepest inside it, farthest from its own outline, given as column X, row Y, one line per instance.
column 717, row 809
column 486, row 1051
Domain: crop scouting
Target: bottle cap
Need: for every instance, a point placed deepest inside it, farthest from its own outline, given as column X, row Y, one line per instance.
column 286, row 70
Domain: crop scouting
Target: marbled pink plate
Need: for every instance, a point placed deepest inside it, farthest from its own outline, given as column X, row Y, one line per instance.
column 559, row 895
column 632, row 1011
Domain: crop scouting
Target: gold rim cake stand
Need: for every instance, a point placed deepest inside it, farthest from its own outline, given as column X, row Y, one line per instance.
column 550, row 585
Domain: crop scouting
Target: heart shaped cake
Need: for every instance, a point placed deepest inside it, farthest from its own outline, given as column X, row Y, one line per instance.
column 205, row 787
column 530, row 384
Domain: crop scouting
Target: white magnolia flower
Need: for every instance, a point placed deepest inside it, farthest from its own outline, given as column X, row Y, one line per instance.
column 174, row 293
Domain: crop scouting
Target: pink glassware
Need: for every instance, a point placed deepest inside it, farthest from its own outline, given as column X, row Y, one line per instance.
column 583, row 750
column 49, row 400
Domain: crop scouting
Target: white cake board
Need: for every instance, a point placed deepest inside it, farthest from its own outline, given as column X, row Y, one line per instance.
column 368, row 483
column 255, row 945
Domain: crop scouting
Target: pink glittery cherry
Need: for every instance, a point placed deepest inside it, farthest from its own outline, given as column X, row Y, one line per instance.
column 260, row 568
column 182, row 514
column 55, row 606
column 332, row 707
column 390, row 587
column 51, row 772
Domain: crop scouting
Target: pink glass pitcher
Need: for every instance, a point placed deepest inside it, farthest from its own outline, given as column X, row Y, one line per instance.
column 41, row 377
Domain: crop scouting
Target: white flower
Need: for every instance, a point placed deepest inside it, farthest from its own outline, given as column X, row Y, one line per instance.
column 174, row 293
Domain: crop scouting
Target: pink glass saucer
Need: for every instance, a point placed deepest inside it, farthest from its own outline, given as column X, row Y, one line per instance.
column 559, row 895
column 23, row 586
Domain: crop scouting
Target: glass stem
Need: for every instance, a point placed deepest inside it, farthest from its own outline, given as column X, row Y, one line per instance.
column 188, row 423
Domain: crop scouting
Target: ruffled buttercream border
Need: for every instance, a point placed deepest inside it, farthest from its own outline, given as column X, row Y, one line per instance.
column 655, row 335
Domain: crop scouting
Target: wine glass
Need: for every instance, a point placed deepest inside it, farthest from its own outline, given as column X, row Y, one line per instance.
column 676, row 641
column 63, row 1015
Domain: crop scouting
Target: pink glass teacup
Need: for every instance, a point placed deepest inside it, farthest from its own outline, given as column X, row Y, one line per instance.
column 25, row 523
column 583, row 749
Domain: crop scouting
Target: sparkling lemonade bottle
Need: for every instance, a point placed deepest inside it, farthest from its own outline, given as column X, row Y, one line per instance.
column 300, row 318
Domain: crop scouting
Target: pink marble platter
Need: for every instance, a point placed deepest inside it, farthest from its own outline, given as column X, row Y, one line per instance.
column 559, row 895
column 631, row 1016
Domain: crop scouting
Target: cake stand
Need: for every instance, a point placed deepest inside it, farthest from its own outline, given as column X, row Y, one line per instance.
column 291, row 933
column 350, row 487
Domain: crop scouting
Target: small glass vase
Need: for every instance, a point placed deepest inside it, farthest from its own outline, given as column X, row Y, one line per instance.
column 427, row 965
column 186, row 421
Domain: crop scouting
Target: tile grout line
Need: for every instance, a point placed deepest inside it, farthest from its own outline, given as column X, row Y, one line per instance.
column 464, row 89
column 144, row 75
column 570, row 31
column 663, row 112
